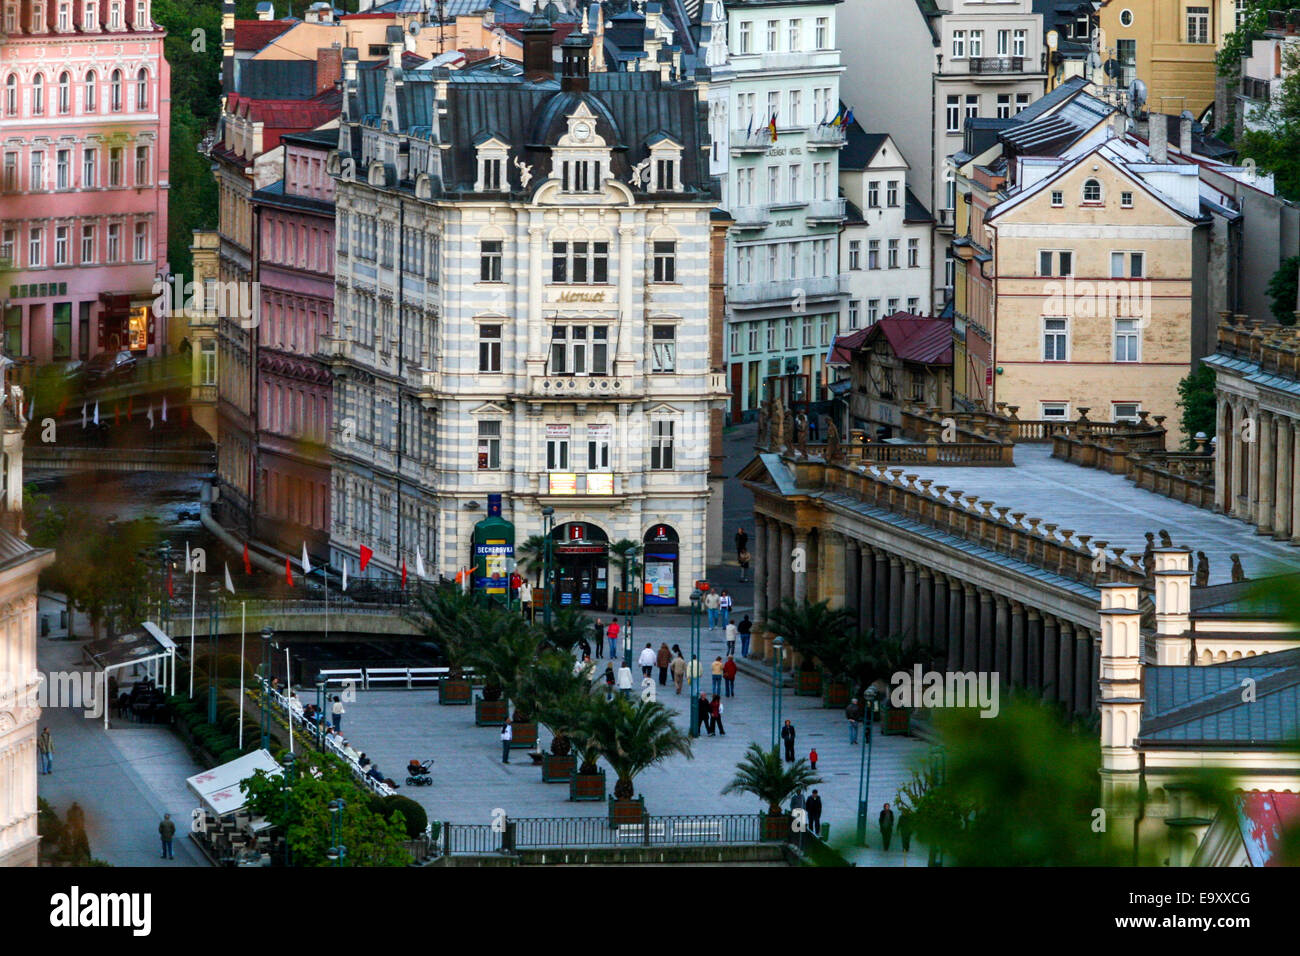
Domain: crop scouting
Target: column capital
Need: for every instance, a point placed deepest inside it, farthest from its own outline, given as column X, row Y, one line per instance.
column 926, row 572
column 1065, row 626
column 1034, row 613
column 1001, row 601
column 894, row 560
column 1017, row 607
column 968, row 587
column 852, row 544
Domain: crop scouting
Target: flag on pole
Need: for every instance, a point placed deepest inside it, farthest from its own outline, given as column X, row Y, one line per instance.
column 230, row 585
column 189, row 567
column 366, row 555
column 848, row 117
column 306, row 564
column 288, row 574
column 31, row 409
column 750, row 131
column 248, row 565
column 771, row 127
column 403, row 572
column 164, row 408
column 419, row 562
column 150, row 415
column 97, row 413
column 345, row 574
column 170, row 591
column 83, row 414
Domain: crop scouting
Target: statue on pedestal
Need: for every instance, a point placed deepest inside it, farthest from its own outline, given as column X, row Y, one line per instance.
column 762, row 440
column 834, row 452
column 1202, row 570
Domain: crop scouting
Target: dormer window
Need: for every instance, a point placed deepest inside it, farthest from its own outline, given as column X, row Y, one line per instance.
column 492, row 155
column 581, row 157
column 665, row 165
column 580, row 176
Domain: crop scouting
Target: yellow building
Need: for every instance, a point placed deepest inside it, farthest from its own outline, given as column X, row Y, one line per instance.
column 1169, row 45
column 1094, row 287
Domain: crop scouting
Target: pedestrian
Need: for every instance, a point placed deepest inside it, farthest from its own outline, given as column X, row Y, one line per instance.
column 724, row 611
column 814, row 809
column 611, row 635
column 905, row 830
column 853, row 714
column 665, row 660
column 337, row 712
column 167, row 831
column 731, row 638
column 742, row 542
column 886, row 827
column 526, row 599
column 693, row 669
column 744, row 558
column 598, row 632
column 787, row 735
column 717, row 675
column 729, row 676
column 507, row 735
column 647, row 660
column 609, row 681
column 583, row 666
column 797, row 801
column 715, row 711
column 812, row 758
column 679, row 671
column 712, row 604
column 584, row 647
column 743, row 629
column 625, row 680
column 45, row 749
column 705, row 714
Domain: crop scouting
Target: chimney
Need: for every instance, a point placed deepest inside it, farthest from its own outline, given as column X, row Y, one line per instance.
column 575, row 60
column 1185, row 135
column 1158, row 137
column 1119, row 123
column 539, row 63
column 228, row 46
column 396, row 41
column 329, row 67
column 265, row 11
column 350, row 68
column 1173, row 576
column 1119, row 694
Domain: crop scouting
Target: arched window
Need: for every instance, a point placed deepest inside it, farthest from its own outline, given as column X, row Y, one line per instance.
column 1092, row 191
column 11, row 95
column 115, row 91
column 142, row 89
column 91, row 104
column 38, row 95
column 65, row 92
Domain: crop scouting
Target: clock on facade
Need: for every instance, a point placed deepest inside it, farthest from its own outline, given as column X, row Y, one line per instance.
column 582, row 132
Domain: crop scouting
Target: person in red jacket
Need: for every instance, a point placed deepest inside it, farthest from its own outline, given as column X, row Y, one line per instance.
column 715, row 711
column 812, row 758
column 729, row 676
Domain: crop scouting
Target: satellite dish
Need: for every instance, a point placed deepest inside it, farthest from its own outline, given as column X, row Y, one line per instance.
column 1111, row 69
column 1188, row 115
column 1094, row 62
column 1137, row 94
column 414, row 28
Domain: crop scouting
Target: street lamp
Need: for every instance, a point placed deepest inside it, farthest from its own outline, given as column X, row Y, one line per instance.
column 697, row 599
column 321, row 703
column 337, row 851
column 267, row 634
column 288, row 762
column 214, row 592
column 864, row 764
column 778, row 650
column 548, row 523
column 164, row 601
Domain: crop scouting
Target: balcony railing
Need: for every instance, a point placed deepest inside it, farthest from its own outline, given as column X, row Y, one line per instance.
column 751, row 217
column 787, row 290
column 580, row 387
column 997, row 64
column 751, row 141
column 1254, row 89
column 826, row 135
column 826, row 210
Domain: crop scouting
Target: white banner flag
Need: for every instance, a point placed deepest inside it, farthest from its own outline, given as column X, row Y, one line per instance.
column 306, row 564
column 230, row 585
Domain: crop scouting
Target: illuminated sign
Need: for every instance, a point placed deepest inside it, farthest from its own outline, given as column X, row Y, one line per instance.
column 563, row 484
column 600, row 483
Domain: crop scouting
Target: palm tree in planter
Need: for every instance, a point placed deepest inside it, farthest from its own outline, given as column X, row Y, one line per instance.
column 625, row 556
column 588, row 782
column 530, row 557
column 556, row 694
column 764, row 774
column 508, row 649
column 805, row 627
column 632, row 738
column 834, row 652
column 567, row 627
column 876, row 661
column 451, row 620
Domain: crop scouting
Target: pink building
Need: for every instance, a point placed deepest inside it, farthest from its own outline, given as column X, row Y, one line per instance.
column 296, row 276
column 85, row 98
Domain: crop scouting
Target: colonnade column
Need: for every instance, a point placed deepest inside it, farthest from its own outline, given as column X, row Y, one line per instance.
column 800, row 593
column 1051, row 648
column 866, row 589
column 852, row 576
column 1002, row 645
column 1017, row 644
column 924, row 607
column 970, row 636
column 1282, row 494
column 908, row 599
column 986, row 633
column 1084, row 651
column 880, row 615
column 895, row 596
column 1034, row 648
column 1065, row 664
column 760, row 568
column 1227, row 450
column 939, row 629
column 1295, row 485
column 1264, row 482
column 955, row 623
column 787, row 575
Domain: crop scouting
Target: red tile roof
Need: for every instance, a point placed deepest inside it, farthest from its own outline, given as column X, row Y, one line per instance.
column 282, row 117
column 912, row 338
column 252, row 35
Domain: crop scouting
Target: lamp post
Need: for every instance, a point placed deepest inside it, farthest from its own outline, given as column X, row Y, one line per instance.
column 214, row 595
column 548, row 524
column 288, row 763
column 164, row 603
column 337, row 851
column 778, row 650
column 267, row 634
column 864, row 763
column 695, row 666
column 321, row 702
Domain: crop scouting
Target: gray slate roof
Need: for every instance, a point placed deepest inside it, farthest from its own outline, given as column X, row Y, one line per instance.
column 1203, row 705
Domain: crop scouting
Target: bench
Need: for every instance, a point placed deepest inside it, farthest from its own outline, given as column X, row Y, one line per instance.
column 635, row 831
column 343, row 677
column 701, row 830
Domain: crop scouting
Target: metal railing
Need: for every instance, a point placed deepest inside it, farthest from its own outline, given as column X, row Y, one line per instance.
column 997, row 64
column 557, row 833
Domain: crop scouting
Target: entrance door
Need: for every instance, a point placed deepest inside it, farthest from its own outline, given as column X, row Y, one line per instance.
column 737, row 393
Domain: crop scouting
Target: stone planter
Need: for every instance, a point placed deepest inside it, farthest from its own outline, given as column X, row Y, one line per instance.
column 525, row 736
column 585, row 787
column 896, row 720
column 490, row 713
column 456, row 691
column 626, row 812
column 808, row 683
column 776, row 827
column 558, row 769
column 835, row 695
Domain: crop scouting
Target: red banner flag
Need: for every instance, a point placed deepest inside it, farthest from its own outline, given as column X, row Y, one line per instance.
column 248, row 565
column 403, row 572
column 288, row 574
column 366, row 555
column 63, row 406
column 170, row 592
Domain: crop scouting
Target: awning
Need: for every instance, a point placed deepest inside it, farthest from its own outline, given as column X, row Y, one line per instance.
column 219, row 788
column 130, row 647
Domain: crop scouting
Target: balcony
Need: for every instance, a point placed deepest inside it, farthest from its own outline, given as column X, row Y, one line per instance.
column 996, row 65
column 825, row 211
column 745, row 141
column 751, row 217
column 826, row 137
column 943, row 218
column 785, row 291
column 581, row 388
column 1254, row 89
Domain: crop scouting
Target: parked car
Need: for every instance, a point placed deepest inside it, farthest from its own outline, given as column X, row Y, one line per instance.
column 110, row 368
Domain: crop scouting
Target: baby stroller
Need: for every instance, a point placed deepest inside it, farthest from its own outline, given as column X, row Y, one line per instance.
column 417, row 774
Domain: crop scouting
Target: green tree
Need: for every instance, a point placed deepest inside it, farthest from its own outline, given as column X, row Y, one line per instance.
column 1196, row 399
column 763, row 773
column 1274, row 143
column 808, row 627
column 1282, row 290
column 625, row 556
column 633, row 738
column 568, row 625
column 531, row 556
column 557, row 695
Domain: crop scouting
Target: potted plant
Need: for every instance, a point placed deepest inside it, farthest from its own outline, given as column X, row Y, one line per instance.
column 808, row 679
column 449, row 618
column 807, row 628
column 556, row 692
column 877, row 660
column 588, row 781
column 632, row 738
column 625, row 556
column 503, row 654
column 763, row 773
column 837, row 689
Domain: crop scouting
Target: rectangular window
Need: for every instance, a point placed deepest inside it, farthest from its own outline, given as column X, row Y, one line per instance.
column 11, row 172
column 873, row 253
column 913, row 253
column 913, row 304
column 62, row 170
column 1058, row 199
column 1004, row 43
column 141, row 241
column 958, row 44
column 1126, row 200
column 37, row 181
column 8, row 239
column 972, row 106
column 746, row 44
column 855, row 254
column 823, row 33
column 87, row 245
column 489, row 445
column 208, row 362
column 35, row 248
column 665, row 260
column 751, row 337
column 1055, row 337
column 855, row 312
column 873, row 194
column 1125, row 411
column 794, row 35
column 598, row 447
column 115, row 166
column 1126, row 340
column 557, row 447
column 61, row 339
column 661, row 446
column 1018, row 43
column 1198, row 24
column 664, row 340
column 953, row 112
column 1063, row 262
column 142, row 165
column 796, row 183
column 492, row 175
column 14, row 330
column 893, row 253
column 1004, row 106
column 1022, row 100
column 773, row 35
column 873, row 311
column 770, row 336
column 490, row 253
column 489, row 348
column 976, row 43
column 893, row 307
column 1126, row 54
column 891, row 193
column 114, row 242
column 61, row 249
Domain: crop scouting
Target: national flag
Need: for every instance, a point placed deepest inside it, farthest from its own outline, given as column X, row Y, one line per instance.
column 83, row 414
column 170, row 592
column 366, row 555
column 848, row 118
column 230, row 585
column 189, row 568
column 419, row 562
column 150, row 415
column 306, row 563
column 345, row 574
column 750, row 131
column 771, row 127
column 31, row 409
column 838, row 118
column 164, row 408
column 97, row 413
column 248, row 565
column 403, row 572
column 288, row 574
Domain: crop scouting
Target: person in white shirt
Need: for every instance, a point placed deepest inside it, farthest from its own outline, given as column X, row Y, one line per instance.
column 731, row 639
column 724, row 608
column 507, row 735
column 712, row 603
column 625, row 680
column 295, row 705
column 526, row 599
column 337, row 712
column 647, row 660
